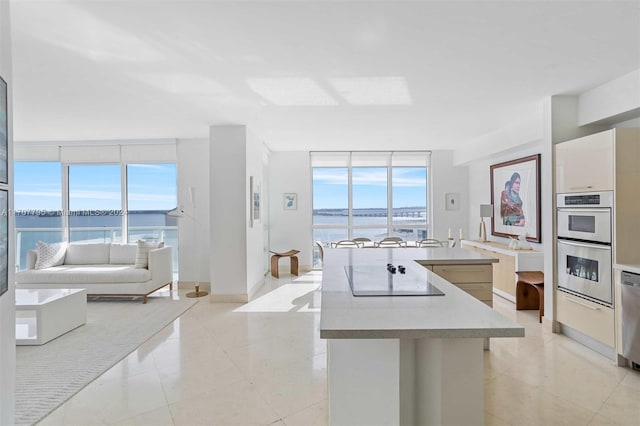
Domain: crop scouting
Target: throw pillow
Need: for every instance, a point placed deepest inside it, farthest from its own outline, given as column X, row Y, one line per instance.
column 50, row 254
column 123, row 254
column 142, row 253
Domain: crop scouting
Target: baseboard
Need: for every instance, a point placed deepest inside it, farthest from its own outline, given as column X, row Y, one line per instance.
column 589, row 342
column 189, row 285
column 504, row 295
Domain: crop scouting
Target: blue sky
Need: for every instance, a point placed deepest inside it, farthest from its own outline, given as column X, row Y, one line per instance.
column 38, row 186
column 369, row 187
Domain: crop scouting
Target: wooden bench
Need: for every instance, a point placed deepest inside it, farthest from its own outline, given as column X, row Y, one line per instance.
column 530, row 292
column 291, row 254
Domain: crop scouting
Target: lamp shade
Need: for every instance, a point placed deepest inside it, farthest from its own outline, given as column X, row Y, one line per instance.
column 486, row 210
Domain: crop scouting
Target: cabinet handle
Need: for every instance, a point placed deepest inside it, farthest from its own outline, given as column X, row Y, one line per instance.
column 581, row 187
column 593, row 308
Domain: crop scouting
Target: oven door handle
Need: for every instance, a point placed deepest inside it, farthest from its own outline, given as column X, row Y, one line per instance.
column 581, row 244
column 580, row 303
column 601, row 210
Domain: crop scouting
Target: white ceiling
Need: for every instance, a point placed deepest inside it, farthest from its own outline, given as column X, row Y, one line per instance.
column 308, row 75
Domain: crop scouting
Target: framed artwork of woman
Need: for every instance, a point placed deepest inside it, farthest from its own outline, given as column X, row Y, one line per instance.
column 515, row 195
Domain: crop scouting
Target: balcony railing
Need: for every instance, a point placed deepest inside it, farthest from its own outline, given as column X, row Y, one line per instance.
column 26, row 238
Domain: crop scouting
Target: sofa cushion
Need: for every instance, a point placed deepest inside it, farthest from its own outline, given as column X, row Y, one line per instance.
column 50, row 254
column 84, row 274
column 122, row 254
column 142, row 252
column 87, row 254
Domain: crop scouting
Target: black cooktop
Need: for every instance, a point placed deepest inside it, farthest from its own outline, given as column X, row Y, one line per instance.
column 390, row 280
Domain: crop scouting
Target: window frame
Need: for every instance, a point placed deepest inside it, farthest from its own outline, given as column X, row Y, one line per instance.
column 65, row 233
column 389, row 226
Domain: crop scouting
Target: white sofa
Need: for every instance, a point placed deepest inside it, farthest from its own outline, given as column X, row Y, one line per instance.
column 103, row 269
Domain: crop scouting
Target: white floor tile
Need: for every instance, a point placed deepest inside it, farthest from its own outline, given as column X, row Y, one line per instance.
column 264, row 363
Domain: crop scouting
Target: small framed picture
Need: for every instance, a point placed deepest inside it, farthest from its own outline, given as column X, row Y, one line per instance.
column 290, row 201
column 453, row 201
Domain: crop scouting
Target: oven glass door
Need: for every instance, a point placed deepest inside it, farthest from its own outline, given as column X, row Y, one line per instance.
column 585, row 224
column 585, row 269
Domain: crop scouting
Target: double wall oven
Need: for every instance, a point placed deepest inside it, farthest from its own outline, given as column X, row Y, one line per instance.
column 584, row 223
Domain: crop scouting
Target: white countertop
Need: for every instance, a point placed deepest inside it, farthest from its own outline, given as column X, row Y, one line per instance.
column 454, row 315
column 626, row 267
column 501, row 248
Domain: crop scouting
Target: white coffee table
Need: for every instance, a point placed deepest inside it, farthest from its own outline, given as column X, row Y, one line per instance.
column 44, row 314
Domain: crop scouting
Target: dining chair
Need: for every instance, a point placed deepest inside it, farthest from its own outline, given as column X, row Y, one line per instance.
column 430, row 242
column 383, row 244
column 361, row 239
column 391, row 242
column 345, row 243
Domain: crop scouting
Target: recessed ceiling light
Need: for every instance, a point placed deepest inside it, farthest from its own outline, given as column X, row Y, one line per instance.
column 291, row 91
column 373, row 90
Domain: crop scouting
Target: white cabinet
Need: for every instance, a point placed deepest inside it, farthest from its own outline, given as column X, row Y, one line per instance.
column 510, row 261
column 585, row 164
column 605, row 161
column 474, row 279
column 589, row 318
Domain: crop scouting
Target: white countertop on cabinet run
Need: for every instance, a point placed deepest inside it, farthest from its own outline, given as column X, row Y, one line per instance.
column 454, row 315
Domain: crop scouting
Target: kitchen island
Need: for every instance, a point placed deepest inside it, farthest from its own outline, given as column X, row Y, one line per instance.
column 403, row 360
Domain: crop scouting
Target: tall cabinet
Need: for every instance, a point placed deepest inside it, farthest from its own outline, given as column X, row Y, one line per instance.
column 605, row 161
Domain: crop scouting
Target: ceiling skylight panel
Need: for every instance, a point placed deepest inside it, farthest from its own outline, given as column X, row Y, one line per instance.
column 291, row 91
column 373, row 90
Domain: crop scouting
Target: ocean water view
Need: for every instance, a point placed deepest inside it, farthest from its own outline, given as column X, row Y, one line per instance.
column 409, row 223
column 87, row 228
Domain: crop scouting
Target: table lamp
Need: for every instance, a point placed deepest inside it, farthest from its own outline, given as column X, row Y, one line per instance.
column 486, row 210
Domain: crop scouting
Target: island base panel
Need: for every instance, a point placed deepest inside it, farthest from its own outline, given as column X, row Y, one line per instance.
column 427, row 381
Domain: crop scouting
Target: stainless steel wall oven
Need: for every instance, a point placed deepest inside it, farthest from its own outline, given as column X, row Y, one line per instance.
column 584, row 245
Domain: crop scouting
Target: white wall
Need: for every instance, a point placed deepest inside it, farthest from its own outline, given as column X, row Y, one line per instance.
column 236, row 255
column 228, row 211
column 291, row 229
column 447, row 178
column 193, row 236
column 7, row 301
column 614, row 98
column 480, row 187
column 255, row 234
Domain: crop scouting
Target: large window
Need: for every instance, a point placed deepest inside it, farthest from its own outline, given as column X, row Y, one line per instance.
column 409, row 189
column 151, row 193
column 95, row 203
column 369, row 194
column 85, row 203
column 38, row 205
column 330, row 203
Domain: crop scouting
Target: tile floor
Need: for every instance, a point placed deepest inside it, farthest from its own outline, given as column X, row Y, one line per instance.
column 263, row 363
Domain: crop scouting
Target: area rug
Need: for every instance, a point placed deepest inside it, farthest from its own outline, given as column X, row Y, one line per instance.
column 48, row 375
